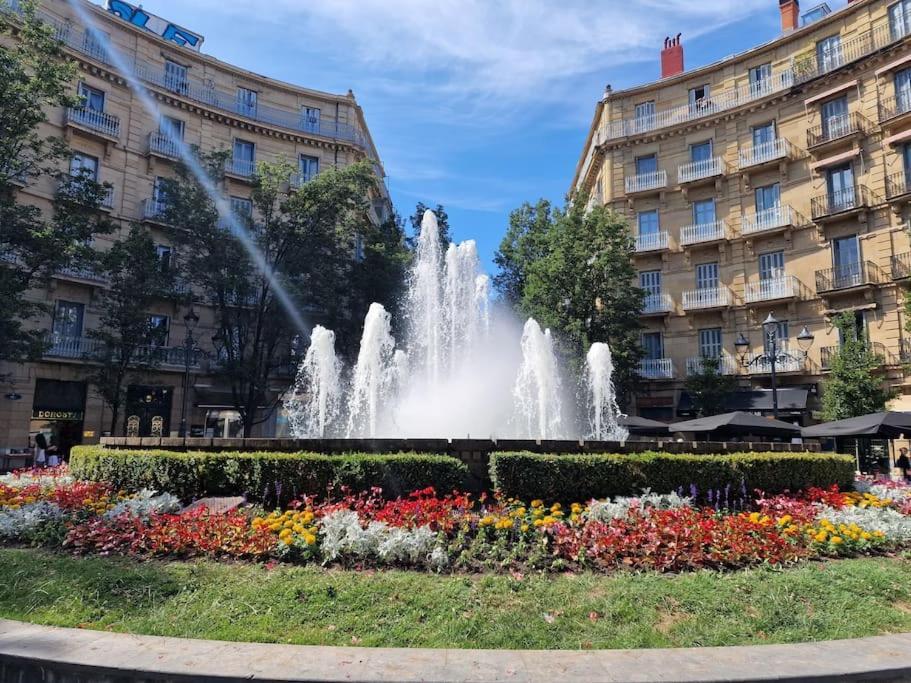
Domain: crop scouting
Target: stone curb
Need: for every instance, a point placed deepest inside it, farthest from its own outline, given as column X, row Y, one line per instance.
column 31, row 652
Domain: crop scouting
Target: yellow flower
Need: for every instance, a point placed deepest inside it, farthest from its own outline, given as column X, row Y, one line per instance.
column 837, row 540
column 537, row 503
column 487, row 520
column 549, row 520
column 555, row 507
column 821, row 537
column 754, row 517
column 538, row 523
column 524, row 528
column 784, row 521
column 309, row 539
column 275, row 526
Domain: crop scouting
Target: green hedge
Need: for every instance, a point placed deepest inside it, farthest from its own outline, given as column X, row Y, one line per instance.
column 266, row 477
column 582, row 477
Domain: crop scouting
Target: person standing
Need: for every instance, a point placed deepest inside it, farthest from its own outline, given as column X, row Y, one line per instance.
column 903, row 463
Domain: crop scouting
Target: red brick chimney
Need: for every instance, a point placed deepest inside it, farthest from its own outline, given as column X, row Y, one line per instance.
column 790, row 15
column 672, row 57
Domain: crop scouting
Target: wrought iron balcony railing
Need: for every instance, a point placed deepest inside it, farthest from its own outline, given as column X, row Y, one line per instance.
column 646, row 182
column 242, row 168
column 893, row 107
column 88, row 349
column 163, row 145
column 700, row 170
column 727, row 365
column 836, row 128
column 707, row 297
column 154, row 209
column 769, row 219
column 896, row 185
column 773, row 150
column 901, row 266
column 657, row 303
column 847, row 276
column 656, row 368
column 98, row 121
column 761, row 363
column 703, row 232
column 841, row 201
column 781, row 287
column 651, row 241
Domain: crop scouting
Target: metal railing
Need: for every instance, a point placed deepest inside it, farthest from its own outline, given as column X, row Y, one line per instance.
column 656, row 368
column 83, row 273
column 761, row 364
column 887, row 357
column 836, row 128
column 848, row 275
column 703, row 232
column 700, row 170
column 707, row 297
column 727, row 365
column 781, row 287
column 657, row 303
column 646, row 181
column 243, row 168
column 163, row 145
column 832, row 203
column 901, row 266
column 98, row 121
column 72, row 347
column 768, row 219
column 153, row 209
column 896, row 185
column 904, row 351
column 652, row 241
column 754, row 155
column 88, row 349
column 893, row 107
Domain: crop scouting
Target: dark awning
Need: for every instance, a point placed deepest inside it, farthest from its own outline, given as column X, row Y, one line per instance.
column 737, row 424
column 642, row 425
column 789, row 398
column 887, row 425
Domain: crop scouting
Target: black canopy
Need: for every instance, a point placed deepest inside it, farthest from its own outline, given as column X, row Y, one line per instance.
column 737, row 424
column 643, row 426
column 887, row 425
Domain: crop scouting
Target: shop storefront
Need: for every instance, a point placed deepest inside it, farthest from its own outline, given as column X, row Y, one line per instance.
column 148, row 410
column 58, row 412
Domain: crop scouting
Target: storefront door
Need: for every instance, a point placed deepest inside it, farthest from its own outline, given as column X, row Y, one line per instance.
column 58, row 411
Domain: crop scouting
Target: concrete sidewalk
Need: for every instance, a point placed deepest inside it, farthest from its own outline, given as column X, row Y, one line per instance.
column 40, row 653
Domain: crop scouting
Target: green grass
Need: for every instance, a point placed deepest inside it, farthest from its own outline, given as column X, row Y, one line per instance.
column 306, row 605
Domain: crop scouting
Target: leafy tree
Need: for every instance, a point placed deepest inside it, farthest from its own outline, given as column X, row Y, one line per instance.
column 524, row 243
column 709, row 389
column 380, row 276
column 35, row 77
column 581, row 284
column 442, row 219
column 274, row 273
column 853, row 387
column 125, row 342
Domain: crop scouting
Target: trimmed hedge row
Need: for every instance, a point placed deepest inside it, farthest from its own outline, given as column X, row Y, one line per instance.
column 266, row 477
column 582, row 477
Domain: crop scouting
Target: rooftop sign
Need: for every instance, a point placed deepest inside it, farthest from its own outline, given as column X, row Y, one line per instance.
column 160, row 27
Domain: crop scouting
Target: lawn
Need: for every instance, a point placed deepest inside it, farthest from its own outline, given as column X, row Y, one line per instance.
column 309, row 605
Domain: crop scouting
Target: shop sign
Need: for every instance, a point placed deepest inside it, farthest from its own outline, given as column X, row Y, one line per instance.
column 73, row 415
column 161, row 27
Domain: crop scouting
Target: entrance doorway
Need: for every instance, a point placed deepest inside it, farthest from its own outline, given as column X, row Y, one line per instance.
column 58, row 412
column 148, row 410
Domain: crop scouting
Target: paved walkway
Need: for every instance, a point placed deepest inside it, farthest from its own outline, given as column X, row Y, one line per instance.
column 74, row 654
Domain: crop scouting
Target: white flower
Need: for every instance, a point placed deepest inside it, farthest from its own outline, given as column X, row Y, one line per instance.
column 892, row 523
column 44, row 481
column 16, row 522
column 146, row 502
column 344, row 536
column 618, row 508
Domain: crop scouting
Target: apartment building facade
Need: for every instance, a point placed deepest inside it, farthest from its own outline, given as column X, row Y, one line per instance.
column 773, row 181
column 200, row 101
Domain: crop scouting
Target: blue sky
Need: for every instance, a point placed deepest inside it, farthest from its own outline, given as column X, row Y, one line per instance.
column 476, row 104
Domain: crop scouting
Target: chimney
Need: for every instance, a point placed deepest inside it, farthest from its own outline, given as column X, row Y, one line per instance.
column 672, row 57
column 790, row 15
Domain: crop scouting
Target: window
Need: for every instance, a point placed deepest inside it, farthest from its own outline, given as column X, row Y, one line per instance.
column 701, row 151
column 648, row 222
column 767, row 197
column 246, row 101
column 771, row 265
column 84, row 165
column 704, row 212
column 244, row 151
column 846, row 262
column 645, row 115
column 699, row 97
column 92, row 98
column 840, row 185
column 68, row 318
column 815, row 14
column 175, row 77
column 310, row 118
column 900, row 19
column 835, row 117
column 710, row 342
column 781, row 336
column 647, row 164
column 158, row 330
column 165, row 254
column 653, row 345
column 359, row 253
column 309, row 167
column 171, row 128
column 760, row 77
column 906, row 160
column 95, row 43
column 764, row 134
column 159, row 191
column 859, row 330
column 902, row 81
column 241, row 206
column 707, row 275
column 650, row 281
column 828, row 53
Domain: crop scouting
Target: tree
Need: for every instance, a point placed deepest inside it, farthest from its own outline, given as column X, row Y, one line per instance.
column 709, row 389
column 580, row 283
column 380, row 276
column 287, row 262
column 35, row 76
column 524, row 243
column 853, row 387
column 442, row 220
column 125, row 341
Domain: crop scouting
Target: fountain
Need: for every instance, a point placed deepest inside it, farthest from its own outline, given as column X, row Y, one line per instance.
column 601, row 398
column 462, row 369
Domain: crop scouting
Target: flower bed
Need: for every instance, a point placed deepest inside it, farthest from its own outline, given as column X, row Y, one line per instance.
column 455, row 532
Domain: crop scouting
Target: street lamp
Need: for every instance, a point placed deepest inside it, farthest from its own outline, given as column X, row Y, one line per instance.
column 772, row 356
column 190, row 321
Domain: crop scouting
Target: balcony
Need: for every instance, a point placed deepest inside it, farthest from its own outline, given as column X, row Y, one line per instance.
column 72, row 347
column 297, row 180
column 698, row 171
column 83, row 273
column 164, row 146
column 154, row 210
column 707, row 298
column 770, row 220
column 894, row 109
column 835, row 130
column 242, row 169
column 772, row 289
column 87, row 349
column 848, row 276
column 654, row 241
column 656, row 368
column 827, row 354
column 757, row 156
column 703, row 233
column 897, row 190
column 657, row 304
column 901, row 266
column 727, row 365
column 850, row 50
column 761, row 364
column 97, row 122
column 646, row 182
column 839, row 205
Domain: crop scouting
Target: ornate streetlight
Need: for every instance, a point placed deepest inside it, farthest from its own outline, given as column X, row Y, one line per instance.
column 190, row 321
column 773, row 355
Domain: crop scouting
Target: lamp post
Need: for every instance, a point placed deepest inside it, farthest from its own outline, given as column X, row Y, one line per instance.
column 190, row 321
column 772, row 356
